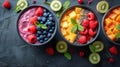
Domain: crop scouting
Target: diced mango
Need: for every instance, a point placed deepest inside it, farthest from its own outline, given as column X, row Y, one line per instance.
column 113, row 16
column 118, row 18
column 112, row 36
column 65, row 24
column 71, row 38
column 78, row 10
column 65, row 18
column 64, row 32
column 108, row 21
column 72, row 14
column 117, row 11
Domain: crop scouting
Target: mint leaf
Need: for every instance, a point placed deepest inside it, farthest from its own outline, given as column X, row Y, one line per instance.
column 92, row 48
column 67, row 55
column 66, row 4
column 43, row 26
column 118, row 35
column 118, row 27
column 74, row 29
column 73, row 21
column 80, row 28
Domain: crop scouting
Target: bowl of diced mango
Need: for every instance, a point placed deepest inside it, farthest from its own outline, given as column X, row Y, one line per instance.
column 111, row 25
column 79, row 25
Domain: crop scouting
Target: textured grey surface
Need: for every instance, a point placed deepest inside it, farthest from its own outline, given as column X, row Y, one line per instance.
column 14, row 52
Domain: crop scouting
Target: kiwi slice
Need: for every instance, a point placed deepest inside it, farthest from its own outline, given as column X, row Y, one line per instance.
column 55, row 5
column 102, row 6
column 94, row 58
column 61, row 47
column 21, row 5
column 98, row 45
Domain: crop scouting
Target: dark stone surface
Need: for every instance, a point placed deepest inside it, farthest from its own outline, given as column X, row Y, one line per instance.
column 14, row 52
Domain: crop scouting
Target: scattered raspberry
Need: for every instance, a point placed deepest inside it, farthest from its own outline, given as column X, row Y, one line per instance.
column 82, row 40
column 85, row 23
column 81, row 54
column 50, row 51
column 32, row 38
column 91, row 16
column 93, row 24
column 6, row 4
column 33, row 20
column 92, row 33
column 113, row 50
column 80, row 1
column 111, row 60
column 39, row 11
column 32, row 29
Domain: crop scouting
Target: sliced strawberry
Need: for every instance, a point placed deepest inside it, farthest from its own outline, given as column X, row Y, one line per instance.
column 82, row 40
column 85, row 32
column 33, row 20
column 91, row 16
column 50, row 51
column 85, row 23
column 39, row 11
column 32, row 29
column 113, row 50
column 92, row 33
column 93, row 24
column 32, row 38
column 6, row 4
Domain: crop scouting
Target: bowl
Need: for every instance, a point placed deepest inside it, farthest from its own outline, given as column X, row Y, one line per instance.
column 36, row 25
column 86, row 20
column 109, row 23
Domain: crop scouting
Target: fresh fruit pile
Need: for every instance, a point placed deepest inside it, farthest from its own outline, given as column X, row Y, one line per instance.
column 79, row 25
column 112, row 25
column 37, row 25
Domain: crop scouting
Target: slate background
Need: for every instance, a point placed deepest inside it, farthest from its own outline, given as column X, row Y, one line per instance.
column 14, row 52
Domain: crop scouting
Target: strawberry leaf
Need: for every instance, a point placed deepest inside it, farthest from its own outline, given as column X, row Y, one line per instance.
column 118, row 35
column 74, row 29
column 80, row 28
column 67, row 55
column 92, row 48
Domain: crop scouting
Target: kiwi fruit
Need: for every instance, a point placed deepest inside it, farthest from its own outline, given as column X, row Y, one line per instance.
column 55, row 5
column 98, row 46
column 94, row 58
column 21, row 5
column 61, row 47
column 102, row 6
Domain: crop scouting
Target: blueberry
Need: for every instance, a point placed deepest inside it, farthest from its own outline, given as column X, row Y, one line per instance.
column 39, row 18
column 51, row 31
column 38, row 38
column 50, row 15
column 48, row 28
column 41, row 37
column 45, row 10
column 53, row 24
column 50, row 18
column 43, row 19
column 49, row 23
column 53, row 28
column 44, row 35
column 45, row 14
column 39, row 32
column 41, row 41
column 37, row 35
column 46, row 39
column 49, row 35
column 38, row 28
column 44, row 32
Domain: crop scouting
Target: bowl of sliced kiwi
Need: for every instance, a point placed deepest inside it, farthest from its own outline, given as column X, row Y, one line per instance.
column 36, row 25
column 79, row 25
column 111, row 25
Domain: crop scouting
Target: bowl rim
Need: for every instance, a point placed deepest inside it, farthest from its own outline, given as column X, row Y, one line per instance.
column 86, row 7
column 116, row 6
column 23, row 11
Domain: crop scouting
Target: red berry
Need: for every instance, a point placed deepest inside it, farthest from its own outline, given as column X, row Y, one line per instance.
column 39, row 11
column 92, row 33
column 90, row 1
column 82, row 40
column 33, row 20
column 32, row 38
column 93, row 24
column 32, row 29
column 91, row 16
column 113, row 50
column 85, row 23
column 81, row 54
column 34, row 1
column 6, row 4
column 85, row 32
column 50, row 51
column 80, row 1
column 88, row 37
column 111, row 60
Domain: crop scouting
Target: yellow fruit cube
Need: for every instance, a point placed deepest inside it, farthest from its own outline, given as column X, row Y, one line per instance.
column 117, row 11
column 72, row 14
column 118, row 18
column 78, row 10
column 108, row 21
column 65, row 24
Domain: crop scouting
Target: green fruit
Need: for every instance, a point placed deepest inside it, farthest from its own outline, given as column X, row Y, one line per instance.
column 94, row 58
column 102, row 6
column 61, row 47
column 98, row 46
column 55, row 5
column 21, row 5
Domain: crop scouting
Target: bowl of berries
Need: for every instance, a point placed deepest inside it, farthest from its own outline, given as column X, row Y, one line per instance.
column 79, row 25
column 111, row 25
column 36, row 25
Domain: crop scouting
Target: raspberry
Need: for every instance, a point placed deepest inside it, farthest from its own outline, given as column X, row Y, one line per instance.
column 88, row 37
column 32, row 29
column 85, row 23
column 50, row 51
column 33, row 20
column 113, row 50
column 39, row 11
column 6, row 4
column 32, row 38
column 111, row 60
column 91, row 16
column 84, row 32
column 92, row 33
column 93, row 24
column 82, row 40
column 81, row 54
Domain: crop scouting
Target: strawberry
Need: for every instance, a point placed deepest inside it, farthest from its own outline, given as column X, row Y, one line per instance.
column 82, row 40
column 32, row 38
column 84, row 32
column 33, row 20
column 91, row 16
column 6, row 4
column 50, row 51
column 32, row 29
column 113, row 50
column 92, row 33
column 111, row 60
column 85, row 23
column 81, row 54
column 39, row 11
column 93, row 24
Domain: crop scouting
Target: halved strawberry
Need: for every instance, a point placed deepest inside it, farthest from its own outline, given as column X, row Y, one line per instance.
column 32, row 29
column 93, row 24
column 6, row 4
column 33, row 20
column 85, row 32
column 85, row 23
column 32, row 38
column 92, row 33
column 39, row 11
column 82, row 40
column 113, row 50
column 91, row 16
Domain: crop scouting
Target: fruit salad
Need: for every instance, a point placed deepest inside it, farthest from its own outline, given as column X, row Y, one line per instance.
column 36, row 25
column 79, row 25
column 112, row 25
